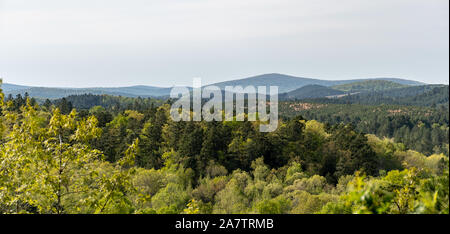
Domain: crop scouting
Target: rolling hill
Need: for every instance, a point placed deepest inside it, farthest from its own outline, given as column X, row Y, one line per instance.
column 285, row 83
column 288, row 83
column 11, row 87
column 55, row 93
column 369, row 86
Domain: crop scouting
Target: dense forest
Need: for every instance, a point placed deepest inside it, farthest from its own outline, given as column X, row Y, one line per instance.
column 126, row 155
column 424, row 129
column 428, row 95
column 369, row 86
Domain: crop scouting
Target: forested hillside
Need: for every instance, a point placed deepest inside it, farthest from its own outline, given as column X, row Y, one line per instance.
column 56, row 159
column 369, row 86
column 429, row 95
column 425, row 129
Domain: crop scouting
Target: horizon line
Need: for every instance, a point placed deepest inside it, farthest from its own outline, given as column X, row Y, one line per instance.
column 249, row 77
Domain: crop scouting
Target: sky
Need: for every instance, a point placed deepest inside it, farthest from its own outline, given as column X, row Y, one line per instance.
column 87, row 43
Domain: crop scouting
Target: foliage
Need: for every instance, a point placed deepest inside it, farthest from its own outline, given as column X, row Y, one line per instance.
column 107, row 160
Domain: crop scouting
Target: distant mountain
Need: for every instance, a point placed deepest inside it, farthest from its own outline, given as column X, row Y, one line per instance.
column 54, row 93
column 311, row 91
column 288, row 83
column 284, row 82
column 10, row 87
column 369, row 86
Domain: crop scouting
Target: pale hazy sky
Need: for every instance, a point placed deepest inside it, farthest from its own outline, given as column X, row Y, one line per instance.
column 165, row 42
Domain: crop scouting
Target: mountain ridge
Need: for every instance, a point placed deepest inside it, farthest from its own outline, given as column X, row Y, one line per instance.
column 286, row 83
